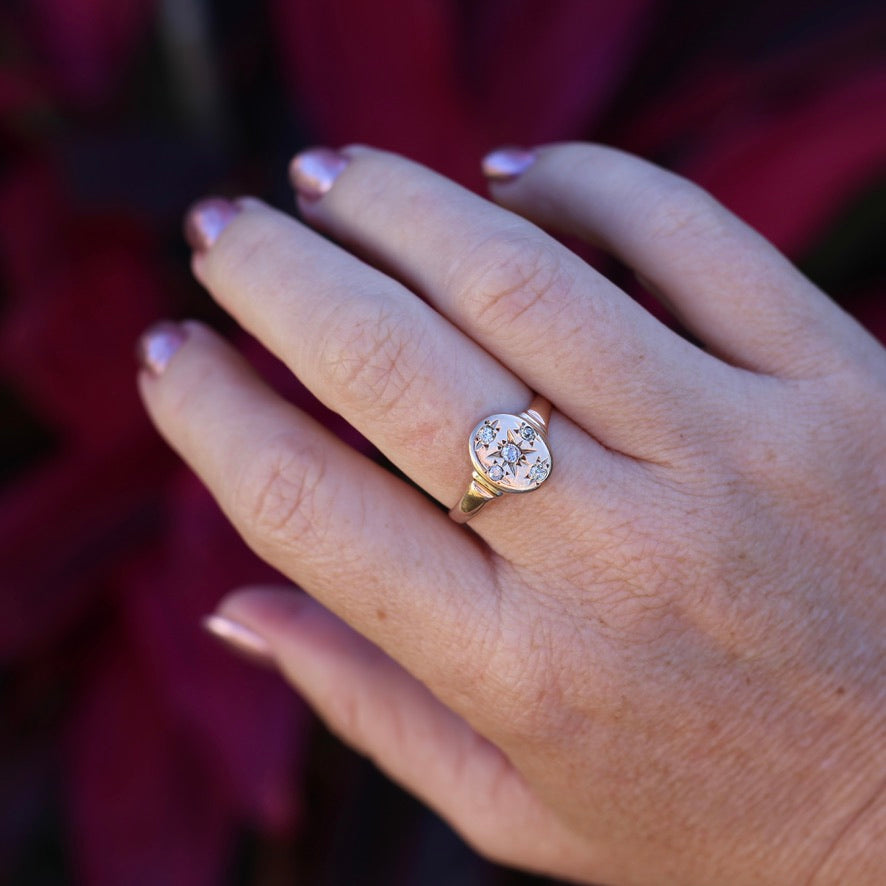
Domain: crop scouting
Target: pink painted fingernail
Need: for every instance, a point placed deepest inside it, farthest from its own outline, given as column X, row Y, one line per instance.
column 506, row 164
column 158, row 344
column 206, row 219
column 240, row 639
column 314, row 171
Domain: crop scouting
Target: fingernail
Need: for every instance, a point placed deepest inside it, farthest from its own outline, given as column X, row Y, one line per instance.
column 314, row 171
column 242, row 640
column 206, row 219
column 506, row 164
column 157, row 345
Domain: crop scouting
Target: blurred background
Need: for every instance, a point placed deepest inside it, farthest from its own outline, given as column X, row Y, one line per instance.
column 132, row 749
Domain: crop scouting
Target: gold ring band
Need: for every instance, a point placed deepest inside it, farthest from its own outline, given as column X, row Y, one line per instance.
column 509, row 453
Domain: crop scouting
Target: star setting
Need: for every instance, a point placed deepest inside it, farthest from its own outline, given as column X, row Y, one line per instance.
column 510, row 453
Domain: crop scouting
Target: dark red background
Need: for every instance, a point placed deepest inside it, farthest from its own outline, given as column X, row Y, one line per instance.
column 134, row 751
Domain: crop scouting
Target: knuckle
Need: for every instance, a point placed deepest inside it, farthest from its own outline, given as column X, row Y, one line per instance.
column 510, row 277
column 235, row 257
column 345, row 715
column 372, row 359
column 777, row 455
column 514, row 671
column 380, row 175
column 820, row 461
column 680, row 210
column 180, row 399
column 353, row 719
column 278, row 493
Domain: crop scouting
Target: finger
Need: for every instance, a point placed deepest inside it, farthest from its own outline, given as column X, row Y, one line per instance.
column 379, row 709
column 724, row 281
column 393, row 367
column 554, row 321
column 371, row 548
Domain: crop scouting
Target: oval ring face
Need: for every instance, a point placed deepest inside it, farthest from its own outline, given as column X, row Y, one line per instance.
column 509, row 453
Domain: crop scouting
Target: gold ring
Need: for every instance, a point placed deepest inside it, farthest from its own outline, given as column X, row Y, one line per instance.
column 509, row 453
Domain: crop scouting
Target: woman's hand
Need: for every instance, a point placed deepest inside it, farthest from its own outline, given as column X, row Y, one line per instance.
column 664, row 666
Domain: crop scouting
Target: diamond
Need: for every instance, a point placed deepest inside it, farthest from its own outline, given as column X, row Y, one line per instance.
column 538, row 472
column 510, row 453
column 496, row 472
column 486, row 435
column 527, row 433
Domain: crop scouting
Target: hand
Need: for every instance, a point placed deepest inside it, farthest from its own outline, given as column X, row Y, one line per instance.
column 666, row 665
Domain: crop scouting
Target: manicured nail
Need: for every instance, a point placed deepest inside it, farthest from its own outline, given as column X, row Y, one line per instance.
column 158, row 344
column 206, row 219
column 314, row 171
column 240, row 639
column 506, row 164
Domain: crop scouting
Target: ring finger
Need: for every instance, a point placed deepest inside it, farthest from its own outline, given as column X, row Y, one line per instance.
column 399, row 372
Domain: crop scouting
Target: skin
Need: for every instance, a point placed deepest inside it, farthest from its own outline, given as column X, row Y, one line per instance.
column 664, row 666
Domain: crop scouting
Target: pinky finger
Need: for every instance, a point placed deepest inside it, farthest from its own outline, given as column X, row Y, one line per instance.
column 723, row 280
column 380, row 710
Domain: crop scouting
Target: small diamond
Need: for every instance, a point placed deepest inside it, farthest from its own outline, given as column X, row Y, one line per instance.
column 538, row 472
column 510, row 453
column 486, row 435
column 527, row 433
column 496, row 472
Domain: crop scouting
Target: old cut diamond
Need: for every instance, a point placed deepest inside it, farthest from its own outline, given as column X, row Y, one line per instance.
column 527, row 433
column 487, row 435
column 510, row 453
column 496, row 472
column 538, row 472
